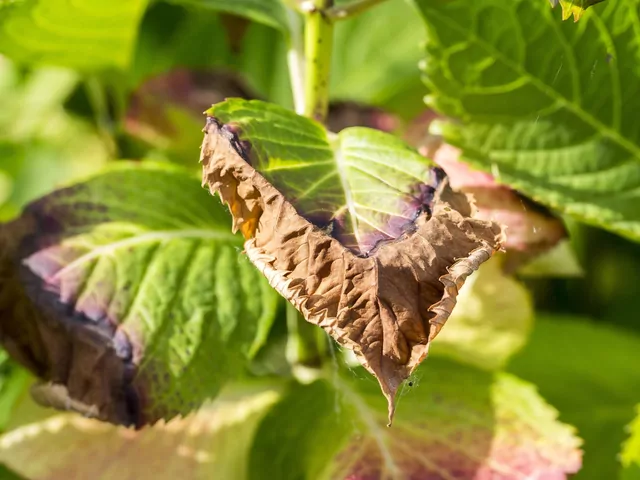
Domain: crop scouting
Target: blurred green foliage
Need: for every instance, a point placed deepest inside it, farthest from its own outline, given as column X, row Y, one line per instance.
column 138, row 93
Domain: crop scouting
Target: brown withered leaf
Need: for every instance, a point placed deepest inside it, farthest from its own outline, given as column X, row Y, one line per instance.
column 386, row 304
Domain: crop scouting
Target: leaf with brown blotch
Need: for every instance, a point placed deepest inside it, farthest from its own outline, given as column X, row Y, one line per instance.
column 124, row 294
column 382, row 285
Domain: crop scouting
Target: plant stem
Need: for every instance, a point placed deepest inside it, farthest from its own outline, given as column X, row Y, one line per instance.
column 351, row 9
column 318, row 45
column 306, row 345
column 295, row 60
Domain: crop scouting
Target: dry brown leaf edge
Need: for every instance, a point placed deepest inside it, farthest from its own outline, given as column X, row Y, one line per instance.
column 386, row 307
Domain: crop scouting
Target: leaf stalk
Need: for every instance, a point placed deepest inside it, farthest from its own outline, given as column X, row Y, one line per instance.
column 318, row 46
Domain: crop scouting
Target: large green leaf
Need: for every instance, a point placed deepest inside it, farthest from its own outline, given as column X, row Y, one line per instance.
column 547, row 107
column 455, row 422
column 587, row 372
column 82, row 34
column 367, row 184
column 137, row 268
column 269, row 12
column 211, row 443
column 631, row 451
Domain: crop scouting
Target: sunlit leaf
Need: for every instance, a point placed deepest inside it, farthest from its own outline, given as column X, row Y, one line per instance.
column 81, row 34
column 547, row 107
column 128, row 291
column 213, row 442
column 455, row 423
column 491, row 320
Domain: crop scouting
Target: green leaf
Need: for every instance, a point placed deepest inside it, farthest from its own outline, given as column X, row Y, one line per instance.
column 631, row 451
column 41, row 144
column 268, row 12
column 574, row 7
column 376, row 57
column 138, row 266
column 83, row 34
column 367, row 184
column 584, row 370
column 211, row 443
column 491, row 321
column 547, row 107
column 263, row 63
column 5, row 473
column 459, row 423
column 172, row 36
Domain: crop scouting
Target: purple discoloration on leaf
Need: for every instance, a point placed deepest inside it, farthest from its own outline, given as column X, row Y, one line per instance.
column 322, row 206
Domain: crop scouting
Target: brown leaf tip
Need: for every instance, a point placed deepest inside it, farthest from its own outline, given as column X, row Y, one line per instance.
column 231, row 132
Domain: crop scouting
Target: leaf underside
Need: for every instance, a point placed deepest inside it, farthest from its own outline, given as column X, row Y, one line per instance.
column 386, row 304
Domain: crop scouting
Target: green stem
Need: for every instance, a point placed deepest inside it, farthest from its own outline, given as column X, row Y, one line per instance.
column 351, row 9
column 295, row 60
column 318, row 44
column 306, row 345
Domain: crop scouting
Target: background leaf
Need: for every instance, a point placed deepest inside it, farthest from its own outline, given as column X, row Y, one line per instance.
column 171, row 36
column 212, row 443
column 268, row 12
column 81, row 34
column 41, row 143
column 376, row 57
column 547, row 107
column 460, row 423
column 155, row 273
column 491, row 321
column 586, row 371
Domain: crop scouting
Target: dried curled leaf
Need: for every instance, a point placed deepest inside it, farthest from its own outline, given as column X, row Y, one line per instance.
column 386, row 303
